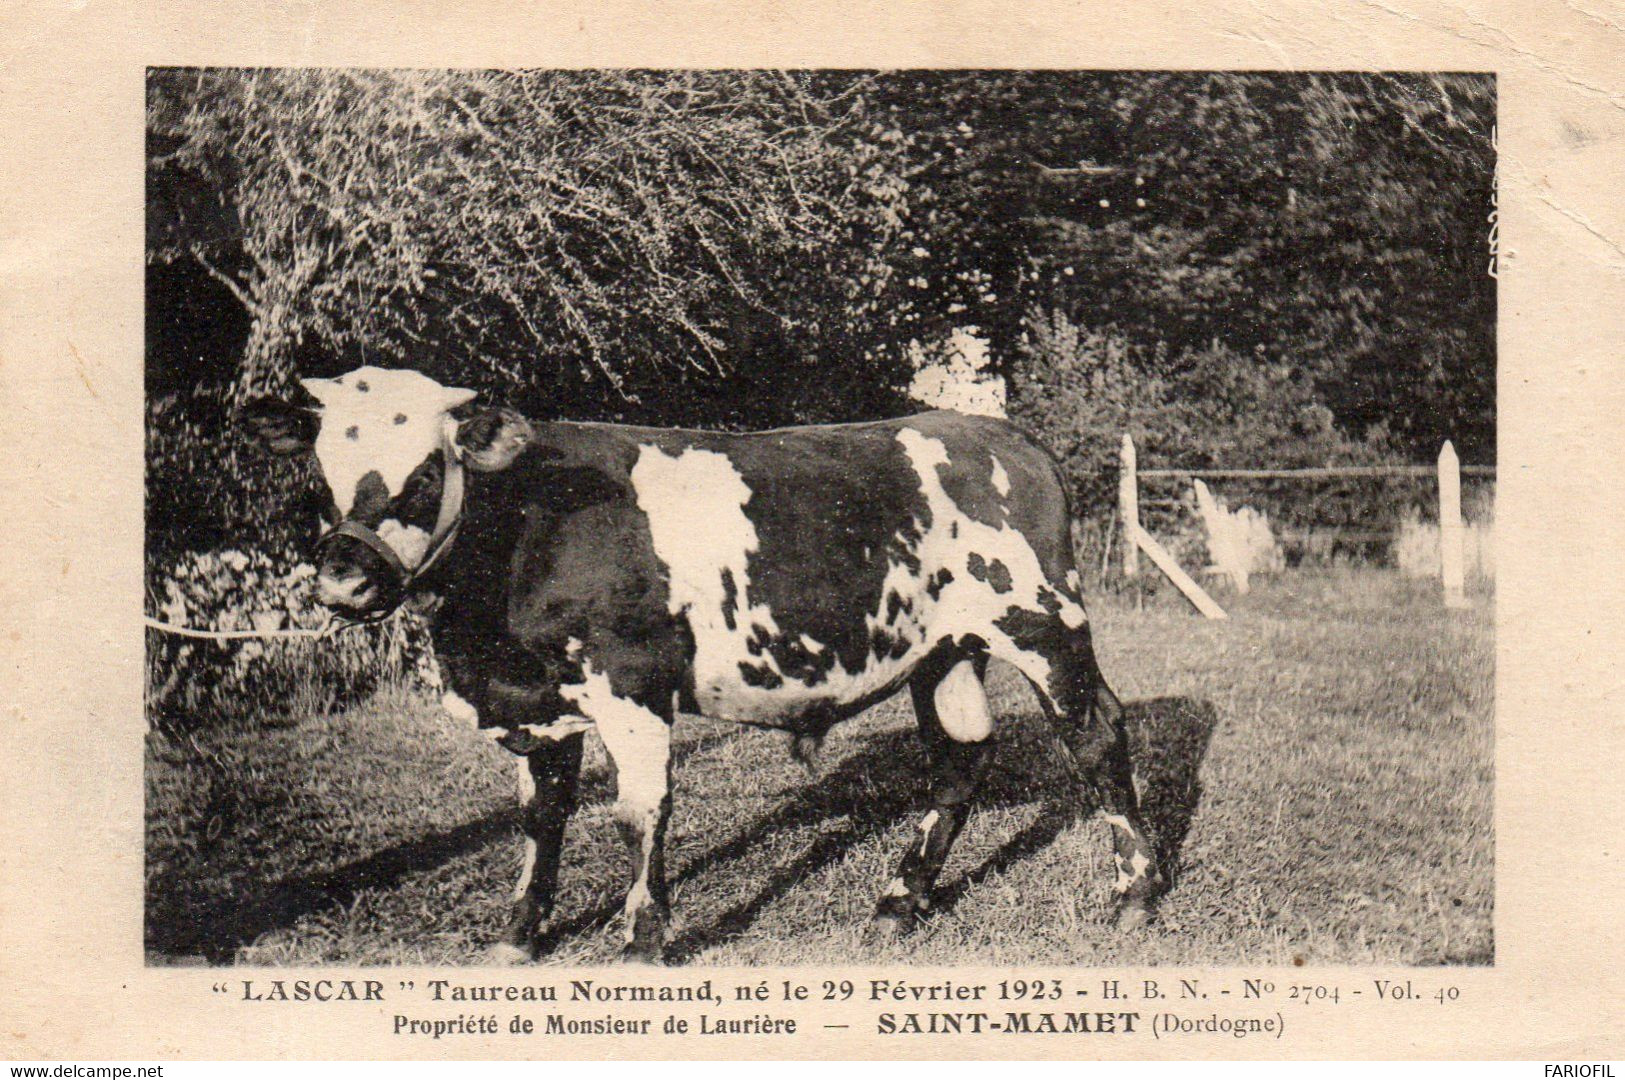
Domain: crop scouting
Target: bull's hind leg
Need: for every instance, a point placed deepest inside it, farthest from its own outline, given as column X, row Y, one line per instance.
column 548, row 779
column 951, row 708
column 1088, row 724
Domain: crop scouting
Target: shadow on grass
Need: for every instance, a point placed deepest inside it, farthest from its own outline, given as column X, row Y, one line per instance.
column 1170, row 738
column 881, row 782
column 183, row 927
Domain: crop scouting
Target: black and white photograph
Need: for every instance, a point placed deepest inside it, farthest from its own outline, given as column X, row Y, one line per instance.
column 735, row 518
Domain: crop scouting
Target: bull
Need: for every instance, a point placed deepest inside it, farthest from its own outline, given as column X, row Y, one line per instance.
column 602, row 577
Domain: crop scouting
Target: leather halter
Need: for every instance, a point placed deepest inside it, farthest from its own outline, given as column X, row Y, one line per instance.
column 446, row 524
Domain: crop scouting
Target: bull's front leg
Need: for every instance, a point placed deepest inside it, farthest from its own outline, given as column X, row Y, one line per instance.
column 642, row 813
column 635, row 724
column 548, row 777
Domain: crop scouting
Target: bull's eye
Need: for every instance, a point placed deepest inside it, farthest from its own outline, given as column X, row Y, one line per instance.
column 352, row 432
column 400, row 418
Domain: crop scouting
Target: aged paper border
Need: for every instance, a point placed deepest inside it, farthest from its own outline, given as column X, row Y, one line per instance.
column 72, row 980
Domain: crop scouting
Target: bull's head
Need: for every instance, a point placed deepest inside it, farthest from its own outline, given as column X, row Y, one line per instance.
column 392, row 456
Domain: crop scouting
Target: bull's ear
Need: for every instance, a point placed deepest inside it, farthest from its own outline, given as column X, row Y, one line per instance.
column 453, row 397
column 279, row 427
column 492, row 439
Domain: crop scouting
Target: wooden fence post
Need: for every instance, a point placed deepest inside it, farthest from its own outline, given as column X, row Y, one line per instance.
column 1451, row 568
column 1182, row 581
column 1128, row 507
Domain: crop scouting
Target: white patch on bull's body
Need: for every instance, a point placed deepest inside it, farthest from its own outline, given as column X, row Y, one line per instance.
column 962, row 704
column 695, row 503
column 381, row 420
column 638, row 741
column 1000, row 479
column 527, row 869
column 527, row 792
column 526, row 782
column 559, row 729
column 896, row 887
column 459, row 709
column 927, row 823
column 1132, row 869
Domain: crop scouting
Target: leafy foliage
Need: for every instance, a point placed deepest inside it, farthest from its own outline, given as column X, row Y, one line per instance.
column 1337, row 224
column 605, row 234
column 1201, row 407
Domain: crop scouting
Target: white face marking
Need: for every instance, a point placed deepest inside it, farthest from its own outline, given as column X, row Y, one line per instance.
column 379, row 420
column 962, row 704
column 1000, row 478
column 459, row 709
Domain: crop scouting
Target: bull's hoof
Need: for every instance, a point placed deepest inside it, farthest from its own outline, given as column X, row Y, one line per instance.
column 507, row 954
column 1132, row 915
column 652, row 953
column 887, row 928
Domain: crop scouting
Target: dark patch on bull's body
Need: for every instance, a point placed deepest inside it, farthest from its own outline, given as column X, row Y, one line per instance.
column 998, row 576
column 887, row 645
column 968, row 480
column 938, row 582
column 730, row 599
column 834, row 509
column 552, row 550
column 759, row 675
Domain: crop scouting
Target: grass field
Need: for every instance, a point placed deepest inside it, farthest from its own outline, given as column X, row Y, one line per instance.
column 1321, row 764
